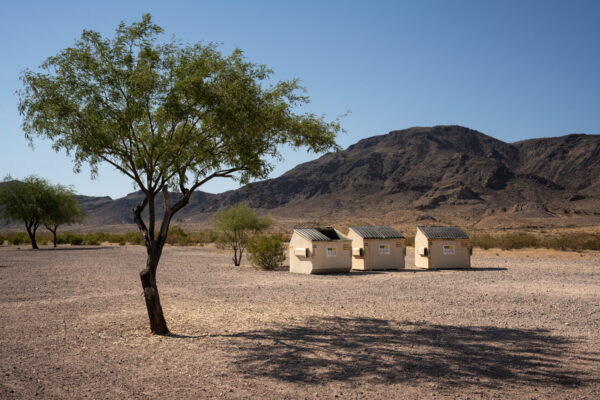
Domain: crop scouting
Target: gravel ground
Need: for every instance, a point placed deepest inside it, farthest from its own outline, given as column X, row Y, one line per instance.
column 519, row 325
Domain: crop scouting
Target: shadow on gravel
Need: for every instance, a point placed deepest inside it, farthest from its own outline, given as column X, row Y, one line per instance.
column 381, row 351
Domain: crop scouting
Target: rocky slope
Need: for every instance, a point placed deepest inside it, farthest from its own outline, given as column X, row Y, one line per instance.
column 443, row 173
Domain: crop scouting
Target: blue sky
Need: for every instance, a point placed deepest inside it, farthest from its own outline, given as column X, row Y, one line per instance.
column 511, row 69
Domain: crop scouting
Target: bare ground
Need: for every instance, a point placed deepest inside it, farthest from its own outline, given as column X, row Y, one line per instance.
column 519, row 325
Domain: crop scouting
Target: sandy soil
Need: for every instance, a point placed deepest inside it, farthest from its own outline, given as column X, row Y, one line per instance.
column 519, row 325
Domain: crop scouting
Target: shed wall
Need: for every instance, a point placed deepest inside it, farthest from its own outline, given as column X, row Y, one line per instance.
column 318, row 260
column 357, row 241
column 302, row 265
column 391, row 257
column 342, row 261
column 460, row 259
column 421, row 241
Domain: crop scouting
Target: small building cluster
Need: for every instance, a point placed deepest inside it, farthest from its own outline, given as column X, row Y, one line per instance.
column 367, row 248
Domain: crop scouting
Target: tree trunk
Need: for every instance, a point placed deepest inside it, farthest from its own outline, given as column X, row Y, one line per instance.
column 158, row 325
column 31, row 234
column 237, row 256
column 53, row 233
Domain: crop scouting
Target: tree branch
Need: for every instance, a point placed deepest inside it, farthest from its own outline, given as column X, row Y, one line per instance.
column 137, row 217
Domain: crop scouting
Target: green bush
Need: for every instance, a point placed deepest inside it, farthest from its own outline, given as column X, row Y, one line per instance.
column 18, row 238
column 94, row 239
column 132, row 238
column 266, row 252
column 73, row 239
column 178, row 237
column 409, row 241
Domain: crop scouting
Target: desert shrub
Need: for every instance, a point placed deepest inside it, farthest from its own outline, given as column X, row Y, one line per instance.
column 266, row 252
column 506, row 241
column 94, row 239
column 483, row 241
column 574, row 241
column 517, row 240
column 409, row 241
column 18, row 238
column 177, row 236
column 73, row 239
column 61, row 238
column 69, row 238
column 115, row 238
column 132, row 238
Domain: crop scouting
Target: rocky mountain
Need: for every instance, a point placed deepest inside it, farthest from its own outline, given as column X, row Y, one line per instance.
column 428, row 168
column 441, row 173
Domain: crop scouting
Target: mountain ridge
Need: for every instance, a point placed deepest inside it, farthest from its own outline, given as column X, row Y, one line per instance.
column 444, row 173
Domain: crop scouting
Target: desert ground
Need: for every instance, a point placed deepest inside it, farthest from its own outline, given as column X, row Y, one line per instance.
column 521, row 324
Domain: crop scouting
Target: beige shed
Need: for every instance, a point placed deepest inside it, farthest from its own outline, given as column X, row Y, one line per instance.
column 376, row 248
column 319, row 250
column 438, row 247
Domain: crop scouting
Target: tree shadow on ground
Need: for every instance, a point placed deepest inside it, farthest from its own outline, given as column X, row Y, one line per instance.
column 381, row 351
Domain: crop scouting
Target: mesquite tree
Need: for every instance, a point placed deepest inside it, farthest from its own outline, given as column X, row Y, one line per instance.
column 63, row 209
column 236, row 223
column 168, row 116
column 28, row 201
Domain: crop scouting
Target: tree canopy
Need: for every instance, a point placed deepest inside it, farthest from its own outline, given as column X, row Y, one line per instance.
column 236, row 223
column 167, row 115
column 63, row 209
column 28, row 201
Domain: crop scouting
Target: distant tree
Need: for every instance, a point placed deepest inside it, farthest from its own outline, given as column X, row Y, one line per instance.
column 27, row 201
column 166, row 115
column 63, row 209
column 237, row 223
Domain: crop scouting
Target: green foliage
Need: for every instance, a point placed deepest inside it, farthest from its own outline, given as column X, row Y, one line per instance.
column 236, row 223
column 63, row 208
column 17, row 238
column 70, row 238
column 166, row 114
column 266, row 252
column 28, row 201
column 409, row 241
column 239, row 218
column 177, row 236
column 132, row 238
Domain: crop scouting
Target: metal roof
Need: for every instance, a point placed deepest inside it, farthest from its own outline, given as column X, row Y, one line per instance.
column 318, row 234
column 377, row 232
column 443, row 232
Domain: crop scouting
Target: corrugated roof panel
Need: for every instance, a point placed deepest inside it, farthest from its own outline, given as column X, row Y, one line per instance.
column 318, row 234
column 377, row 232
column 443, row 232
